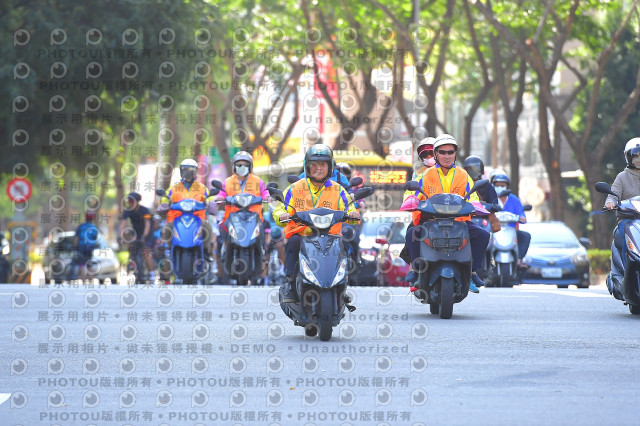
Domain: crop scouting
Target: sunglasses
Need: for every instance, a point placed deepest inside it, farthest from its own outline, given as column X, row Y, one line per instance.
column 426, row 154
column 450, row 152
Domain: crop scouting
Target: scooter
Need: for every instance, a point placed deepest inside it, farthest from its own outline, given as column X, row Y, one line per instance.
column 503, row 249
column 488, row 270
column 187, row 250
column 323, row 275
column 243, row 253
column 629, row 289
column 444, row 265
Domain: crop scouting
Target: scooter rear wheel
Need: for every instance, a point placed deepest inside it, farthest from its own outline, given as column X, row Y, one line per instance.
column 634, row 309
column 434, row 308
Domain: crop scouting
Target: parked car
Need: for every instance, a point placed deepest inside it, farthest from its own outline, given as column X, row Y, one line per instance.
column 59, row 252
column 375, row 224
column 391, row 268
column 555, row 256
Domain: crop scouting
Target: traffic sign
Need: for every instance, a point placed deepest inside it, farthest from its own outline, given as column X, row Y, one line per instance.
column 19, row 190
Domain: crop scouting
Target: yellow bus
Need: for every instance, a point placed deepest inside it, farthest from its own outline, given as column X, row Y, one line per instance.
column 386, row 177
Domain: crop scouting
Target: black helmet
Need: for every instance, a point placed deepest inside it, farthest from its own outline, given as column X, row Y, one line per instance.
column 345, row 169
column 319, row 152
column 474, row 166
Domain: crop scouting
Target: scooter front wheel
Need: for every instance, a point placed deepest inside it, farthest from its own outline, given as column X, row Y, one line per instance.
column 446, row 298
column 634, row 309
column 325, row 328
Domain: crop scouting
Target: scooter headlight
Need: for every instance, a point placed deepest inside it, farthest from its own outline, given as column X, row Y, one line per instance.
column 307, row 272
column 256, row 232
column 342, row 272
column 232, row 232
column 632, row 246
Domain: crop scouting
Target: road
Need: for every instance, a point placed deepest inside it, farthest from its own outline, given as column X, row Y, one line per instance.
column 228, row 355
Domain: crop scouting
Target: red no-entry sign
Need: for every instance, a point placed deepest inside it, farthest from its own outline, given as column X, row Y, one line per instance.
column 19, row 189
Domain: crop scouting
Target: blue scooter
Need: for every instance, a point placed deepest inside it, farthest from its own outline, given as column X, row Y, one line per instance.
column 187, row 250
column 629, row 289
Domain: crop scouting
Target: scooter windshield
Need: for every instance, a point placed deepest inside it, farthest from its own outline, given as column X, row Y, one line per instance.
column 446, row 204
column 188, row 205
column 321, row 218
column 244, row 200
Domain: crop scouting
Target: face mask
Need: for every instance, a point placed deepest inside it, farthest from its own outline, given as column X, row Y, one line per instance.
column 635, row 162
column 242, row 171
column 429, row 162
column 500, row 189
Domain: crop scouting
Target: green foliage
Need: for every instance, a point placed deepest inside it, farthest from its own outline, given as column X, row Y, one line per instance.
column 600, row 260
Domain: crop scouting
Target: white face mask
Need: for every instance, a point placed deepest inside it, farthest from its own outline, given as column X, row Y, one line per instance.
column 500, row 189
column 635, row 162
column 242, row 171
column 429, row 162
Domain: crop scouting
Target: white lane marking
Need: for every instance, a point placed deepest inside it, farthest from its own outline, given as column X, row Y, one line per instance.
column 4, row 397
column 565, row 292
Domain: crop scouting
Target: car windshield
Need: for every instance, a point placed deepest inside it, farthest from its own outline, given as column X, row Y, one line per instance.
column 380, row 226
column 551, row 235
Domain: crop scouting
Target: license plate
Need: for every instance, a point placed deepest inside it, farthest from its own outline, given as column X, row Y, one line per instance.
column 551, row 272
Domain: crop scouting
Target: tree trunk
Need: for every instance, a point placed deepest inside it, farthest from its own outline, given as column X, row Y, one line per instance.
column 551, row 164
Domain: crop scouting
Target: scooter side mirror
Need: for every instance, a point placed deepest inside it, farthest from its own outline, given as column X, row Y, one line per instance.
column 505, row 193
column 482, row 183
column 160, row 192
column 216, row 184
column 363, row 193
column 412, row 185
column 356, row 181
column 585, row 242
column 527, row 207
column 214, row 191
column 272, row 185
column 276, row 194
column 292, row 178
column 495, row 206
column 605, row 188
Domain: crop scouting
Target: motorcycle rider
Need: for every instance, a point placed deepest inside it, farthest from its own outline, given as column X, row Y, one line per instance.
column 188, row 188
column 317, row 189
column 475, row 168
column 84, row 241
column 511, row 203
column 241, row 181
column 139, row 217
column 626, row 185
column 446, row 177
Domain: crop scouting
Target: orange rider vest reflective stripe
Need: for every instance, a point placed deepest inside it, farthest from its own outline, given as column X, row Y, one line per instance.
column 232, row 187
column 179, row 192
column 301, row 201
column 431, row 185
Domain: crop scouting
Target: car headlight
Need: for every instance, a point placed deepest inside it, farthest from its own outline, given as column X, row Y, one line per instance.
column 307, row 272
column 232, row 232
column 342, row 271
column 631, row 246
column 581, row 258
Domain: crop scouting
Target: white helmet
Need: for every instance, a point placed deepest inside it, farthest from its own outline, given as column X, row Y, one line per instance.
column 630, row 149
column 445, row 139
column 188, row 170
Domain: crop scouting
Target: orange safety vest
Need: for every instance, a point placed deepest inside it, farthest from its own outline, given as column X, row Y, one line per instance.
column 301, row 200
column 251, row 186
column 431, row 185
column 179, row 192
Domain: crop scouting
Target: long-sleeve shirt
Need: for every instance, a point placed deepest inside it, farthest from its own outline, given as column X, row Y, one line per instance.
column 343, row 201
